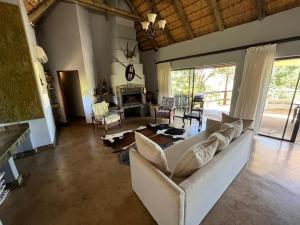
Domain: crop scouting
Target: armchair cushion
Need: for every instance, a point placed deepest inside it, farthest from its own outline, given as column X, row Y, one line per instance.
column 163, row 113
column 112, row 118
column 100, row 109
column 167, row 103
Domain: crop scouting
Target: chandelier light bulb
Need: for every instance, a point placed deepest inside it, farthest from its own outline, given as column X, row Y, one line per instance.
column 151, row 17
column 145, row 25
column 161, row 24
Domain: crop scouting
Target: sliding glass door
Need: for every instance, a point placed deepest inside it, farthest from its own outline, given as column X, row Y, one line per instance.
column 214, row 82
column 282, row 108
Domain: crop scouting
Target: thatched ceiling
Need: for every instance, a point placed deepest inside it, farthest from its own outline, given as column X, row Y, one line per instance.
column 202, row 16
column 187, row 19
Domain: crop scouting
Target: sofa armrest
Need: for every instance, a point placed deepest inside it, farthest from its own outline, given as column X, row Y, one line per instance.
column 159, row 194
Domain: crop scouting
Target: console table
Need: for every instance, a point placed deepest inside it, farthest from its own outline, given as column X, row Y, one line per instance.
column 12, row 137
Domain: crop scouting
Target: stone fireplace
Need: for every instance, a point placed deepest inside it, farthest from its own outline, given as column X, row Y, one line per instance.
column 128, row 95
column 131, row 97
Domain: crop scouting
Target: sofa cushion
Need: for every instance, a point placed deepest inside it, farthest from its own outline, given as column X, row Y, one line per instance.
column 151, row 152
column 213, row 125
column 176, row 151
column 224, row 137
column 237, row 126
column 196, row 157
column 229, row 119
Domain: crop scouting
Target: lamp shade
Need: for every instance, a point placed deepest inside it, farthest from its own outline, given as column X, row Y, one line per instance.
column 151, row 17
column 145, row 25
column 162, row 24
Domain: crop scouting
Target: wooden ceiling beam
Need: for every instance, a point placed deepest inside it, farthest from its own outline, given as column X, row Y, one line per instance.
column 217, row 15
column 134, row 11
column 167, row 32
column 105, row 8
column 260, row 5
column 38, row 12
column 184, row 19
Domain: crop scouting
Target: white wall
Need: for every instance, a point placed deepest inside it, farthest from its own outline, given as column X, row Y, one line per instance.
column 150, row 71
column 59, row 35
column 88, row 57
column 278, row 26
column 42, row 130
column 101, row 29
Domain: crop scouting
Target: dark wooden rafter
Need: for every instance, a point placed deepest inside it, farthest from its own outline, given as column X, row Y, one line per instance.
column 105, row 8
column 260, row 5
column 167, row 33
column 38, row 12
column 133, row 10
column 217, row 15
column 183, row 18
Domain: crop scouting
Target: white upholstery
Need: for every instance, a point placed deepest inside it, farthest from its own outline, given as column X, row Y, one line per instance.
column 204, row 187
column 112, row 118
column 224, row 137
column 100, row 109
column 195, row 158
column 175, row 152
column 188, row 202
column 159, row 194
column 151, row 152
column 237, row 125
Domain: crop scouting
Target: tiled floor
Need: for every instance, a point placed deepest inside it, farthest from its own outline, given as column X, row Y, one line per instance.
column 82, row 183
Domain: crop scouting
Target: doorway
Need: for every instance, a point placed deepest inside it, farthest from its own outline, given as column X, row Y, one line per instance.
column 69, row 84
column 281, row 115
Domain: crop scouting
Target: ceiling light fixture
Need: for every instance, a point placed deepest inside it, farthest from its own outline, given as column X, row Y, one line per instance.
column 152, row 30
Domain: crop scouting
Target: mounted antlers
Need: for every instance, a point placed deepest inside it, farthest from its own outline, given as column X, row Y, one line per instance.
column 130, row 54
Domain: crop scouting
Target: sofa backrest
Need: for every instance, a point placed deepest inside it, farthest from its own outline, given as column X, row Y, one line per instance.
column 204, row 187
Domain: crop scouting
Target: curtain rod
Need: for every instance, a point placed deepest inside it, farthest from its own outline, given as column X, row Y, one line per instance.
column 290, row 39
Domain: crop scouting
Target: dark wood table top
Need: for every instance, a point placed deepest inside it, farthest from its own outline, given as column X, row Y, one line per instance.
column 10, row 137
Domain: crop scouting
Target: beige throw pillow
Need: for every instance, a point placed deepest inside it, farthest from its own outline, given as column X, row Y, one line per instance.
column 196, row 157
column 224, row 137
column 229, row 119
column 237, row 125
column 151, row 152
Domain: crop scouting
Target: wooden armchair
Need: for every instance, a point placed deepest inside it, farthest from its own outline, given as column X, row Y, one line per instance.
column 103, row 117
column 166, row 109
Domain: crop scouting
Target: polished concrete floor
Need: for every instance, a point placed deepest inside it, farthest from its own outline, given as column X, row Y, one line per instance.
column 82, row 183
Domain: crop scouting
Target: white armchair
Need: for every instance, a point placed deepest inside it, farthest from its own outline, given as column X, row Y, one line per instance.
column 101, row 116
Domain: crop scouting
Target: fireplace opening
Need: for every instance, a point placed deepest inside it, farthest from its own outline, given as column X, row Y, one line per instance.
column 132, row 99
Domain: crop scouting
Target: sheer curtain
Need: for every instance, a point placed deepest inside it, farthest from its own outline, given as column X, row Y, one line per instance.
column 255, row 82
column 164, row 80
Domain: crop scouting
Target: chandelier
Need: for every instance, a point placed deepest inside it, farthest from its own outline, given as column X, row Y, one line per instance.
column 151, row 28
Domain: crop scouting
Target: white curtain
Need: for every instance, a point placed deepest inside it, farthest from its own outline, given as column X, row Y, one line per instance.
column 164, row 80
column 255, row 82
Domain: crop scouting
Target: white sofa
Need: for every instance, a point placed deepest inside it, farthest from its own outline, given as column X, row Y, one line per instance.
column 188, row 201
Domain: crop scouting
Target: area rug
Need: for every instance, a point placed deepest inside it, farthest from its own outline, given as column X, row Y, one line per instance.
column 162, row 134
